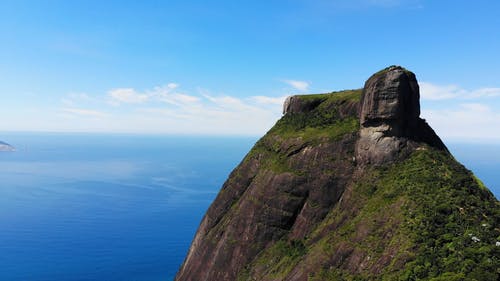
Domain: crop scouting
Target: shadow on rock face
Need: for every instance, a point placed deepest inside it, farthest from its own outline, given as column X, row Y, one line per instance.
column 390, row 121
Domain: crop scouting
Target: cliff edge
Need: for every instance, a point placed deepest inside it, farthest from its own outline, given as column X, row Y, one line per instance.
column 350, row 185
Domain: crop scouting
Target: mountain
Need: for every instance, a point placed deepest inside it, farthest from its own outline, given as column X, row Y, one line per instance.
column 350, row 185
column 6, row 147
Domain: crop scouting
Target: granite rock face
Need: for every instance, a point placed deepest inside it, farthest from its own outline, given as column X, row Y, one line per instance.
column 294, row 104
column 390, row 121
column 277, row 190
column 326, row 193
column 391, row 95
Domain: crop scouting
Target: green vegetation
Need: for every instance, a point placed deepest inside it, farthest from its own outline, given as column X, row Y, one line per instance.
column 448, row 228
column 425, row 218
column 324, row 120
column 278, row 260
column 389, row 67
column 293, row 126
column 428, row 213
column 453, row 220
column 337, row 96
column 325, row 111
column 293, row 131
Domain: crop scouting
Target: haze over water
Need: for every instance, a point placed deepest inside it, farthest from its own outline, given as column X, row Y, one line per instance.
column 123, row 207
column 103, row 207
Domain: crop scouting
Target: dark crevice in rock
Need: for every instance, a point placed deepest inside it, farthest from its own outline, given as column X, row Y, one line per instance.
column 296, row 150
column 298, row 210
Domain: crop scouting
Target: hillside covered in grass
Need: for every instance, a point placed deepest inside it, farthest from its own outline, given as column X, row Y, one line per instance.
column 350, row 185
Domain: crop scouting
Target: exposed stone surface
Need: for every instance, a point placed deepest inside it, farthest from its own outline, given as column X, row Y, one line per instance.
column 389, row 118
column 314, row 199
column 294, row 104
column 259, row 204
column 391, row 95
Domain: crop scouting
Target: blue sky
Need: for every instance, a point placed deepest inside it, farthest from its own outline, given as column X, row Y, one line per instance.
column 224, row 67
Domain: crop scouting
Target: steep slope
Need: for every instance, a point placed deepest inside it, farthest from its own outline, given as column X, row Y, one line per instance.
column 350, row 185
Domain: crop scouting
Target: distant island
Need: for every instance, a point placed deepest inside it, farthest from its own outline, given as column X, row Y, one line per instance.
column 6, row 147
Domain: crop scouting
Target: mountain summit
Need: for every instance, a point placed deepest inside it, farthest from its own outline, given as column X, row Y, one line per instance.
column 350, row 185
column 390, row 124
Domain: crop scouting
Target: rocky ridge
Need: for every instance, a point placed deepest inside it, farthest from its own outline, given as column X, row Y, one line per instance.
column 350, row 185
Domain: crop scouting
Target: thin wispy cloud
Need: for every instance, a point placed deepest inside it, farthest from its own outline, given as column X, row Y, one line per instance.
column 453, row 111
column 168, row 109
column 165, row 94
column 430, row 91
column 74, row 98
column 302, row 86
column 486, row 93
column 85, row 112
column 180, row 99
column 458, row 113
column 126, row 95
column 265, row 100
column 467, row 121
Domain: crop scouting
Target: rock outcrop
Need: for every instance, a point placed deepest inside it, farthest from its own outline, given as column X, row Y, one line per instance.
column 391, row 95
column 296, row 104
column 390, row 118
column 350, row 185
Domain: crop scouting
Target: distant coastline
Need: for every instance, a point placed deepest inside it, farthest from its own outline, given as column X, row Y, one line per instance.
column 6, row 147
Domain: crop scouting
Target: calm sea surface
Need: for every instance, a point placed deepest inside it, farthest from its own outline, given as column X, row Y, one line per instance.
column 119, row 207
column 106, row 207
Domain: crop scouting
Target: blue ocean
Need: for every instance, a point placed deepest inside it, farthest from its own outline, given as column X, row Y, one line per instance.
column 124, row 207
column 106, row 207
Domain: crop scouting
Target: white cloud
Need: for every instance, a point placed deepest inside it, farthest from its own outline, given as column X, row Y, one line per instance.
column 431, row 91
column 455, row 113
column 72, row 99
column 166, row 109
column 467, row 121
column 172, row 85
column 180, row 99
column 85, row 112
column 127, row 95
column 210, row 114
column 227, row 102
column 166, row 94
column 485, row 92
column 264, row 100
column 476, row 107
column 302, row 86
column 458, row 113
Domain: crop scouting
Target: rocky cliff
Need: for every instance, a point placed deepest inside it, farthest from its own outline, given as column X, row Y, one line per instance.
column 350, row 185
